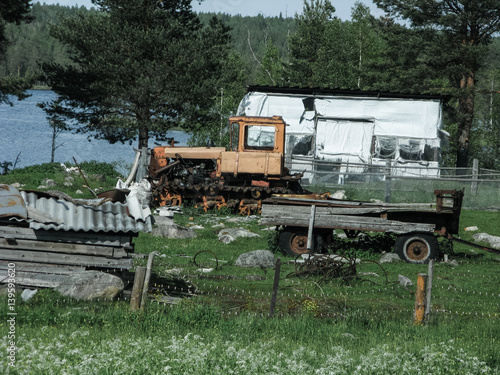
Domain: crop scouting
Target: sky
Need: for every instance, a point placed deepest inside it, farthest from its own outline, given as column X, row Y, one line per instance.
column 268, row 8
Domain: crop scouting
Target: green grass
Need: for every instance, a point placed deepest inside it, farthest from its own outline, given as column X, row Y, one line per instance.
column 32, row 177
column 362, row 325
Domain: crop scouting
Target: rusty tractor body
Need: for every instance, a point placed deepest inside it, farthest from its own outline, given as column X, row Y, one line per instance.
column 240, row 178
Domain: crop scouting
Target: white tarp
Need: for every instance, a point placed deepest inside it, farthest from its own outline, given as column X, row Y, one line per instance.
column 397, row 117
column 356, row 129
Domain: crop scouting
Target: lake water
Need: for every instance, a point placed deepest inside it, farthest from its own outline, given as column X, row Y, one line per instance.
column 25, row 131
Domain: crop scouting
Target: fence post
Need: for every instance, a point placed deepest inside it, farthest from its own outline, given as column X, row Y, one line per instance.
column 429, row 292
column 475, row 174
column 135, row 298
column 145, row 288
column 388, row 181
column 310, row 232
column 277, row 270
column 420, row 299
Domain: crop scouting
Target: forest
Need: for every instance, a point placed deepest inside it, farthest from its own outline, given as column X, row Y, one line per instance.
column 425, row 54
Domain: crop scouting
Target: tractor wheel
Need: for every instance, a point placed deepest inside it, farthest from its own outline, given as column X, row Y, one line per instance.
column 416, row 247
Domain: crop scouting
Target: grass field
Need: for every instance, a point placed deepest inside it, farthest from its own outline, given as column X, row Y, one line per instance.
column 360, row 325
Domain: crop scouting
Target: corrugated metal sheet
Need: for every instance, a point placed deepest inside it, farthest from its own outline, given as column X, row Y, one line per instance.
column 11, row 202
column 108, row 217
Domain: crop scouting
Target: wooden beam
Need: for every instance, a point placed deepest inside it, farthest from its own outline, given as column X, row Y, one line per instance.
column 62, row 258
column 41, row 268
column 35, row 279
column 71, row 248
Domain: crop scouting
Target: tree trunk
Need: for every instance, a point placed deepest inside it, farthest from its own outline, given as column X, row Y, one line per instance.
column 466, row 111
column 143, row 124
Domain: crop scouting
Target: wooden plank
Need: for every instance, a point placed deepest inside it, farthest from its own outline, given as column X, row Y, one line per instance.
column 63, row 236
column 62, row 258
column 35, row 279
column 351, row 222
column 269, row 209
column 41, row 268
column 273, row 210
column 71, row 248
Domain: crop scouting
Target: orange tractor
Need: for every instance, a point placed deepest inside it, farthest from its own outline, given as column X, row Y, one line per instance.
column 252, row 170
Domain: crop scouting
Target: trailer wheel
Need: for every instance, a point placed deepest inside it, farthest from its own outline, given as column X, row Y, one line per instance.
column 293, row 241
column 416, row 247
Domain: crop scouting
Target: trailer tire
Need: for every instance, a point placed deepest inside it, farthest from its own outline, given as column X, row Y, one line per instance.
column 416, row 247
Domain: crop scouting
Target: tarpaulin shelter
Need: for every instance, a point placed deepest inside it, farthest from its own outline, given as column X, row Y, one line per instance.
column 354, row 126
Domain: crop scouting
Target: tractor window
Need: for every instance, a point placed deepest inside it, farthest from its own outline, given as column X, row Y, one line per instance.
column 259, row 137
column 235, row 136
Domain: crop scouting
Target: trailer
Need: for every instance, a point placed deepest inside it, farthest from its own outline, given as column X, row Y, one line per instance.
column 308, row 222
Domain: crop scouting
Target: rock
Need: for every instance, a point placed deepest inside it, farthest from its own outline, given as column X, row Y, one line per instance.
column 165, row 227
column 17, row 185
column 48, row 182
column 452, row 263
column 269, row 229
column 68, row 184
column 339, row 194
column 220, row 225
column 99, row 177
column 197, row 227
column 205, row 270
column 405, row 281
column 69, row 179
column 28, row 294
column 485, row 237
column 230, row 234
column 79, row 192
column 389, row 258
column 89, row 285
column 256, row 258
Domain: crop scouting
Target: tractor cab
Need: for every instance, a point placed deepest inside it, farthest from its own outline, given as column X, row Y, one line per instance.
column 257, row 147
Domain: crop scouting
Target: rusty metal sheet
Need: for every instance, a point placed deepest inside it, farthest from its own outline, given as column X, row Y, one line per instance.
column 11, row 202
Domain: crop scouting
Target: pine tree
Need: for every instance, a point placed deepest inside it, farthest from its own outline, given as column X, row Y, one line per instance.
column 460, row 30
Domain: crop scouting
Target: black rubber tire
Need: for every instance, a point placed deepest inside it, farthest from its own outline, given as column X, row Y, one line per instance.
column 417, row 247
column 293, row 241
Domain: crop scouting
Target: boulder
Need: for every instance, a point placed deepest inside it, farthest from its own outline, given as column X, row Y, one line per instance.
column 405, row 281
column 389, row 258
column 256, row 258
column 339, row 194
column 485, row 237
column 165, row 227
column 229, row 235
column 87, row 285
column 48, row 182
column 28, row 294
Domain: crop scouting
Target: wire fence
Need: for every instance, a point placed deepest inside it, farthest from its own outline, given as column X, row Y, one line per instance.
column 397, row 182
